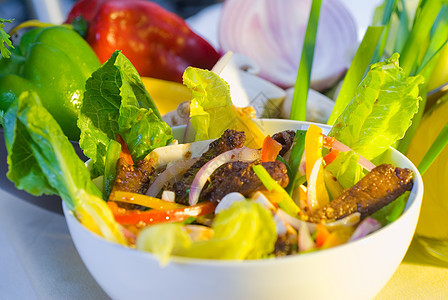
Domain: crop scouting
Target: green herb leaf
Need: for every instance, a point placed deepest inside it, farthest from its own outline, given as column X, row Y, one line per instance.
column 302, row 84
column 4, row 39
column 436, row 148
column 356, row 71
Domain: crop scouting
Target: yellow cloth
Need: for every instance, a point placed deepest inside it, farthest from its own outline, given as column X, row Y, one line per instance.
column 419, row 276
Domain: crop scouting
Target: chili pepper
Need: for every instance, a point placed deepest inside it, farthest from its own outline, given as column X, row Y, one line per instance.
column 159, row 43
column 55, row 62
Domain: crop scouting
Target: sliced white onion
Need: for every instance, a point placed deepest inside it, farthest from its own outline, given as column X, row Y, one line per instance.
column 367, row 226
column 171, row 174
column 169, row 196
column 305, row 242
column 260, row 198
column 228, row 200
column 350, row 220
column 271, row 32
column 241, row 154
column 167, row 155
column 363, row 162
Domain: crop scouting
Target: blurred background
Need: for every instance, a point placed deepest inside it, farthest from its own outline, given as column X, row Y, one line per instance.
column 55, row 11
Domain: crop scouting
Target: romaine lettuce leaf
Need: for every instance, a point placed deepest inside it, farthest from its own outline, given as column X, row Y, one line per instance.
column 41, row 158
column 346, row 169
column 116, row 102
column 210, row 107
column 382, row 110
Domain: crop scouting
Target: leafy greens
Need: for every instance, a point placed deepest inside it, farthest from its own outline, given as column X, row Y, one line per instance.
column 116, row 102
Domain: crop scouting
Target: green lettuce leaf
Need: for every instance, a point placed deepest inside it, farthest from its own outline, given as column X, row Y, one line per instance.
column 41, row 159
column 245, row 230
column 346, row 169
column 164, row 240
column 210, row 108
column 116, row 102
column 382, row 110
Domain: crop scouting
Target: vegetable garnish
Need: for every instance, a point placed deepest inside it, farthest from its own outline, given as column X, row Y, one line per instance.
column 282, row 198
column 381, row 111
column 270, row 149
column 144, row 218
column 35, row 140
column 116, row 102
column 143, row 200
column 302, row 84
column 4, row 39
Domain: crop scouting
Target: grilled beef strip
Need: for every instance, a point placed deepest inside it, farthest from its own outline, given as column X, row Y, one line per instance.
column 239, row 177
column 230, row 139
column 133, row 178
column 286, row 139
column 378, row 188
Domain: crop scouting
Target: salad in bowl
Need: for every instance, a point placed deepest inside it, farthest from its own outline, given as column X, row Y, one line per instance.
column 228, row 206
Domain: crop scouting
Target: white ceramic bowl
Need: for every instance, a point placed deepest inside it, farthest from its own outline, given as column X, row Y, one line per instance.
column 357, row 270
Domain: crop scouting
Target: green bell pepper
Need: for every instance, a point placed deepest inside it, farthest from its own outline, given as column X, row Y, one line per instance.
column 55, row 62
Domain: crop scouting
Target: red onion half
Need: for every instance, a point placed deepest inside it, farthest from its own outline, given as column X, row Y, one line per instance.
column 271, row 32
column 240, row 154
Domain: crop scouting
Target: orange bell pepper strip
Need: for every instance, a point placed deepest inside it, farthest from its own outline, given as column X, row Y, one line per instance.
column 322, row 234
column 271, row 148
column 331, row 156
column 150, row 217
column 125, row 151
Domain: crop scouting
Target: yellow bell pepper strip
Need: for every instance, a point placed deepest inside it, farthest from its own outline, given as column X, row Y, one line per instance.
column 96, row 216
column 316, row 192
column 283, row 199
column 143, row 200
column 143, row 218
column 271, row 148
column 244, row 122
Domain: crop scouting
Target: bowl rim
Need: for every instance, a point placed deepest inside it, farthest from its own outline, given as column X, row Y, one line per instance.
column 413, row 203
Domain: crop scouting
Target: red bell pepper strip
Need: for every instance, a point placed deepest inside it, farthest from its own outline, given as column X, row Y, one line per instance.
column 150, row 217
column 270, row 149
column 125, row 151
column 331, row 156
column 158, row 43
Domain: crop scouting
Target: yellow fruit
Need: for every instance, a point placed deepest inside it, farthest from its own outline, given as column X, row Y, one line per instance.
column 166, row 94
column 433, row 221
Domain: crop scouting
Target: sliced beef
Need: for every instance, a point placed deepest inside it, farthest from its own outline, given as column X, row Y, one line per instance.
column 380, row 187
column 230, row 139
column 286, row 139
column 239, row 177
column 133, row 178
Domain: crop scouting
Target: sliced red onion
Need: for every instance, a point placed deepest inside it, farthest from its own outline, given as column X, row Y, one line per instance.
column 240, row 154
column 171, row 174
column 350, row 220
column 337, row 145
column 367, row 226
column 271, row 32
